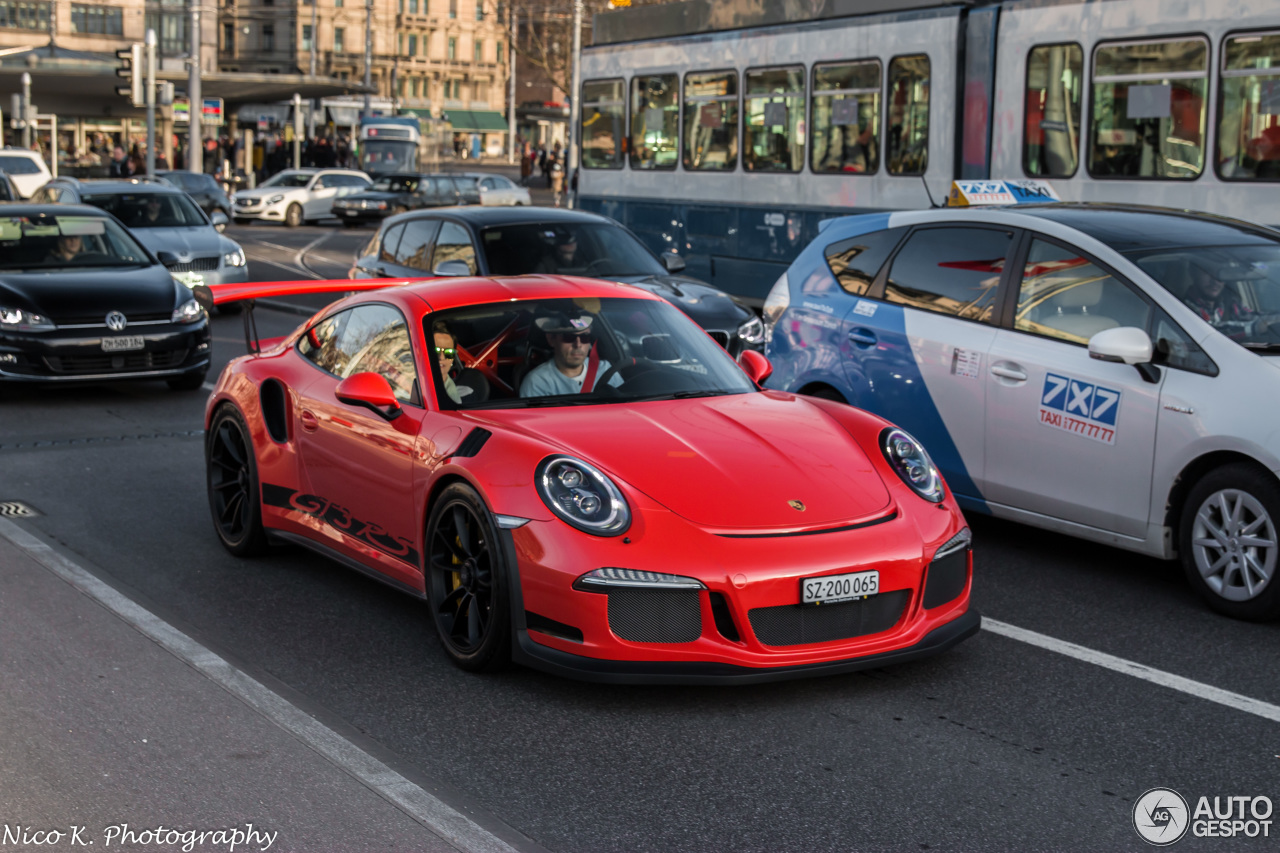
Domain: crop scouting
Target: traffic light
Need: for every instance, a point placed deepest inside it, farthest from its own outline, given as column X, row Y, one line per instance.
column 134, row 70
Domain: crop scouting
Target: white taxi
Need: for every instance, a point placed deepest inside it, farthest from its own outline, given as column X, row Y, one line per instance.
column 1110, row 372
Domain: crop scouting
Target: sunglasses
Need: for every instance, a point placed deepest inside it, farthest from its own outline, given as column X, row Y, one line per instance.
column 578, row 338
column 447, row 352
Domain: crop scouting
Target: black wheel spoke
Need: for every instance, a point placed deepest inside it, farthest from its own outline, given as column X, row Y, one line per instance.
column 461, row 526
column 451, row 546
column 450, row 603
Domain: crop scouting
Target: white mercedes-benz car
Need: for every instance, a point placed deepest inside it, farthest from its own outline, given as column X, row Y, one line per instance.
column 297, row 196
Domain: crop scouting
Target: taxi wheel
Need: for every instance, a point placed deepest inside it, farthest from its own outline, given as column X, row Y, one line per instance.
column 232, row 474
column 467, row 581
column 1229, row 542
column 293, row 216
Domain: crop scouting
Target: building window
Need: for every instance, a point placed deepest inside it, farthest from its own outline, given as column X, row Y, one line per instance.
column 1055, row 79
column 498, row 47
column 1249, row 126
column 774, row 136
column 337, row 4
column 25, row 15
column 413, row 7
column 171, row 31
column 603, row 124
column 453, row 8
column 229, row 38
column 479, row 10
column 413, row 45
column 97, row 20
column 1149, row 109
column 452, row 53
column 339, row 36
column 655, row 115
column 400, row 44
column 908, row 135
column 846, row 118
column 269, row 38
column 479, row 51
column 710, row 121
column 306, row 37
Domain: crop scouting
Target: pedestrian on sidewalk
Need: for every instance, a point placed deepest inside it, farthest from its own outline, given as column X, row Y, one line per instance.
column 557, row 180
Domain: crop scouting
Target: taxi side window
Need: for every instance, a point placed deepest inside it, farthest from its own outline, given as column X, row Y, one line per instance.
column 319, row 344
column 454, row 244
column 1174, row 347
column 1065, row 295
column 953, row 271
column 376, row 340
column 855, row 261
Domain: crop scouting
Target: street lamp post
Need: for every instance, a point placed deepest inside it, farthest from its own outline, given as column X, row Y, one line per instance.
column 368, row 58
column 195, row 100
column 511, row 85
column 151, row 103
column 575, row 109
column 26, row 110
column 297, row 131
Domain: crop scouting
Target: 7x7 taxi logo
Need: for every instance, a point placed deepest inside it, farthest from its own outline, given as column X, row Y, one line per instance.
column 1079, row 407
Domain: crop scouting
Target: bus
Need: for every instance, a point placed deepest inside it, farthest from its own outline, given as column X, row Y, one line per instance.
column 730, row 146
column 389, row 144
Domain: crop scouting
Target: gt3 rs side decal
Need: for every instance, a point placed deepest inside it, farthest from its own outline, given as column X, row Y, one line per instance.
column 341, row 520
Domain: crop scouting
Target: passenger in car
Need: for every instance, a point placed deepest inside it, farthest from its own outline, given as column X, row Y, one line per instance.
column 1218, row 305
column 446, row 353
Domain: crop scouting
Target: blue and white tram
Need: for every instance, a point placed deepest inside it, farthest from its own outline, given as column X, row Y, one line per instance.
column 731, row 146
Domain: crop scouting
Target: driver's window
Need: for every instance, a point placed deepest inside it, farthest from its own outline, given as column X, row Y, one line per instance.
column 322, row 184
column 319, row 344
column 454, row 244
column 1064, row 295
column 376, row 340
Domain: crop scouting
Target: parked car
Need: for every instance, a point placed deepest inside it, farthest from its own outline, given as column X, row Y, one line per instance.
column 670, row 522
column 25, row 168
column 81, row 299
column 1097, row 370
column 297, row 196
column 392, row 194
column 522, row 240
column 499, row 191
column 8, row 192
column 165, row 220
column 204, row 191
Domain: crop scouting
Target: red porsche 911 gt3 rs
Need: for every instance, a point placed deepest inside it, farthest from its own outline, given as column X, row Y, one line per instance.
column 573, row 475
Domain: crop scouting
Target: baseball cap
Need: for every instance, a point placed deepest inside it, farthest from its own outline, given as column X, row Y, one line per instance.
column 565, row 323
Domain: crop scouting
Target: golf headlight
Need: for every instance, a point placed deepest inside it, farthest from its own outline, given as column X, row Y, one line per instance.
column 188, row 312
column 908, row 458
column 234, row 259
column 582, row 496
column 752, row 331
column 276, row 199
column 17, row 320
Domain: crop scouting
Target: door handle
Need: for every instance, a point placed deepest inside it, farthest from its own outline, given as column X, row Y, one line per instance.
column 310, row 422
column 1006, row 370
column 863, row 337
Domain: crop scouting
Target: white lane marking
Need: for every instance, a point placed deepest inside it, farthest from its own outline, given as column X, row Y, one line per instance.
column 452, row 826
column 1127, row 667
column 300, row 257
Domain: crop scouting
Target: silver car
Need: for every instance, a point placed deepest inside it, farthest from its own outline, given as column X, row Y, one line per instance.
column 297, row 196
column 165, row 220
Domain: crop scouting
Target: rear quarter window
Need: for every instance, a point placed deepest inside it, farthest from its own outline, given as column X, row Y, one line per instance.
column 855, row 261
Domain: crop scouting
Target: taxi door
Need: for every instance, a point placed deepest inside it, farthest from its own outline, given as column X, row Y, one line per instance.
column 917, row 357
column 1069, row 436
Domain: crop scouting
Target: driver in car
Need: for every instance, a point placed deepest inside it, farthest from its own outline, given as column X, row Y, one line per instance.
column 572, row 366
column 564, row 258
column 1209, row 296
column 66, row 249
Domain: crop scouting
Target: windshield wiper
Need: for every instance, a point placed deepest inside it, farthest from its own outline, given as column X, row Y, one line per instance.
column 1257, row 346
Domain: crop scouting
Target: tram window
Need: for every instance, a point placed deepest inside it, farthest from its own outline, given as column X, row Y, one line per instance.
column 1249, row 129
column 907, row 140
column 846, row 118
column 603, row 130
column 711, row 121
column 1051, row 135
column 1149, row 109
column 655, row 116
column 953, row 271
column 774, row 136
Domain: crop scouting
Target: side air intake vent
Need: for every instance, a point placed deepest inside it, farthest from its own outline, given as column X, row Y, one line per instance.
column 275, row 410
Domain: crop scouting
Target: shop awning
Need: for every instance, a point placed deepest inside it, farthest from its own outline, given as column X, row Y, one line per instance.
column 476, row 121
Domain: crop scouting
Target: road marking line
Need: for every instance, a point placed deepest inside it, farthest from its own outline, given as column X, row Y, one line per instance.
column 300, row 257
column 1127, row 667
column 438, row 817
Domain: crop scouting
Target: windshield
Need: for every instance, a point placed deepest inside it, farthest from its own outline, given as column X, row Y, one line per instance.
column 1236, row 289
column 151, row 210
column 399, row 184
column 288, row 179
column 540, row 353
column 48, row 241
column 567, row 248
column 387, row 156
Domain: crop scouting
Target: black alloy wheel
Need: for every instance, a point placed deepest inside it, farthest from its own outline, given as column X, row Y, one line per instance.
column 467, row 581
column 232, row 474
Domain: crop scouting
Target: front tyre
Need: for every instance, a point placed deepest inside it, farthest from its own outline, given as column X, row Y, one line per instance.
column 1228, row 541
column 293, row 215
column 467, row 581
column 232, row 477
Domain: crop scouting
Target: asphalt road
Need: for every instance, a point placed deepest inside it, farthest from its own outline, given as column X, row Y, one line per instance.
column 997, row 745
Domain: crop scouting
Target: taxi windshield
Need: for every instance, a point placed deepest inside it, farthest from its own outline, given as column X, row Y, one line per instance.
column 1236, row 289
column 48, row 242
column 567, row 352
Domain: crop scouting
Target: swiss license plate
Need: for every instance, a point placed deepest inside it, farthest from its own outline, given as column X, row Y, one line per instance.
column 351, row 212
column 122, row 344
column 829, row 589
column 190, row 279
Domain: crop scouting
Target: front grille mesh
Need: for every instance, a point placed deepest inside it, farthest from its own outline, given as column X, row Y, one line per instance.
column 115, row 362
column 101, row 319
column 655, row 615
column 204, row 264
column 722, row 338
column 795, row 625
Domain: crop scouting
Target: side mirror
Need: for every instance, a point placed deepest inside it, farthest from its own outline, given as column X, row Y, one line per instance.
column 659, row 348
column 371, row 390
column 166, row 258
column 1123, row 345
column 755, row 365
column 219, row 219
column 452, row 268
column 672, row 262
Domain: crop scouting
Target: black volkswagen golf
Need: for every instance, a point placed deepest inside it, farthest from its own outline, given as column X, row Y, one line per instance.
column 82, row 300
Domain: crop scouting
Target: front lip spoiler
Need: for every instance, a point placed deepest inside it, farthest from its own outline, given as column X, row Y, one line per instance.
column 556, row 662
column 107, row 377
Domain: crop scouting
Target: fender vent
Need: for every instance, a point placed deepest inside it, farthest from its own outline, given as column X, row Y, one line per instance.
column 472, row 443
column 275, row 410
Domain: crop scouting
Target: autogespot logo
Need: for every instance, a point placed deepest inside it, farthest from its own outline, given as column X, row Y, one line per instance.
column 1160, row 816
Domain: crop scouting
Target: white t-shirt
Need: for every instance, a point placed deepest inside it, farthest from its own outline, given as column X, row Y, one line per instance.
column 546, row 380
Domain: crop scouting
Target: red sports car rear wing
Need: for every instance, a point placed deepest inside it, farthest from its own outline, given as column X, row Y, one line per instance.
column 210, row 295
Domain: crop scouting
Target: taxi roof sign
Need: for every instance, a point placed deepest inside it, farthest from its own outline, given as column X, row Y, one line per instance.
column 985, row 193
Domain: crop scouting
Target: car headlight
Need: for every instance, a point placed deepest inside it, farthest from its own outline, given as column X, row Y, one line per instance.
column 234, row 259
column 582, row 496
column 908, row 458
column 276, row 199
column 752, row 331
column 18, row 320
column 188, row 312
column 380, row 205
